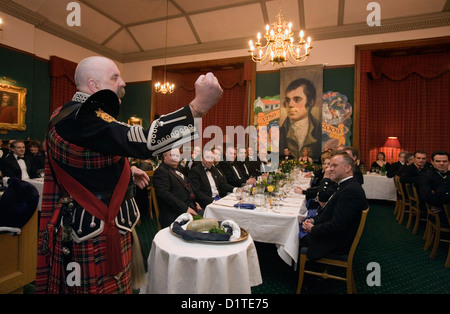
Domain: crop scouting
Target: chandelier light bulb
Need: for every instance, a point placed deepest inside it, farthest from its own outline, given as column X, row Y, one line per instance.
column 167, row 88
column 278, row 44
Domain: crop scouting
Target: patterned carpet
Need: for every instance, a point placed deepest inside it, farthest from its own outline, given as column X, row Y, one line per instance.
column 405, row 267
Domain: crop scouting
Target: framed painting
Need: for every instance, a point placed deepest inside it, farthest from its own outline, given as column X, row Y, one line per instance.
column 12, row 107
column 135, row 120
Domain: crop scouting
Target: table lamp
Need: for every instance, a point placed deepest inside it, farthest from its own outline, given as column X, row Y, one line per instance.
column 392, row 142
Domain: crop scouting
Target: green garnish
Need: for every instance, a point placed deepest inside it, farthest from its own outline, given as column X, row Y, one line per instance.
column 217, row 230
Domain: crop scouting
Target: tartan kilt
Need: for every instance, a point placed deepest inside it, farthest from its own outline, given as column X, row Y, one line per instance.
column 90, row 255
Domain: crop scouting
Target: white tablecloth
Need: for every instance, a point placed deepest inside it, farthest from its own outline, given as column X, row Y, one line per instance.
column 179, row 266
column 38, row 183
column 279, row 226
column 379, row 187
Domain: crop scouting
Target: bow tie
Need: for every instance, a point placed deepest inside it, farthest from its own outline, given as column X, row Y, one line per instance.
column 207, row 170
column 18, row 157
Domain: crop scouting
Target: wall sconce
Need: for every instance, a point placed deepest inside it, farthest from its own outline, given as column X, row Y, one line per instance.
column 1, row 24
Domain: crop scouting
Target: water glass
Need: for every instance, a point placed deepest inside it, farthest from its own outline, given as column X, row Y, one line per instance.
column 239, row 195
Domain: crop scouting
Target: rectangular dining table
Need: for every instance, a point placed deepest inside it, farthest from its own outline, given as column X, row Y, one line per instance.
column 379, row 187
column 278, row 225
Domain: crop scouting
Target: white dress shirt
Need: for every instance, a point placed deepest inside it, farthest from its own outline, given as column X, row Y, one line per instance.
column 23, row 167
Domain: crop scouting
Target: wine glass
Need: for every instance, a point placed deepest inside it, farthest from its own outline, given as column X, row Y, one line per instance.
column 239, row 195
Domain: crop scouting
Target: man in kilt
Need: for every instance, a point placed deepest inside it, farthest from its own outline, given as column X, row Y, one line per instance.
column 88, row 210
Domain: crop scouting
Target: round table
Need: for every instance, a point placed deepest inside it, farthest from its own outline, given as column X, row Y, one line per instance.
column 179, row 266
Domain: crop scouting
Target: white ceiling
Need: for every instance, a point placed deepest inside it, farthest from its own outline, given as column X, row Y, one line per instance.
column 135, row 30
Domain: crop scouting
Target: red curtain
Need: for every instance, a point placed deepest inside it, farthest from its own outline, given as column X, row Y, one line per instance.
column 232, row 108
column 407, row 97
column 63, row 86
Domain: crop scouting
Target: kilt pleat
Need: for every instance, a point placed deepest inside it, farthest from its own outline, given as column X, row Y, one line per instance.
column 91, row 257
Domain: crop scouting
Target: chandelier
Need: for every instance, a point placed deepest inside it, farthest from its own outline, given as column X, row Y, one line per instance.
column 166, row 87
column 280, row 46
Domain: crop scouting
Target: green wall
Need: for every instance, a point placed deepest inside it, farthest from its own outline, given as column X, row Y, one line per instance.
column 33, row 74
column 137, row 102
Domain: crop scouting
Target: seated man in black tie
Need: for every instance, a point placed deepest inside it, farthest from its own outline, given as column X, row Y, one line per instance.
column 430, row 183
column 207, row 181
column 395, row 168
column 17, row 164
column 286, row 155
column 173, row 190
column 232, row 174
column 194, row 160
column 241, row 164
column 414, row 171
column 333, row 229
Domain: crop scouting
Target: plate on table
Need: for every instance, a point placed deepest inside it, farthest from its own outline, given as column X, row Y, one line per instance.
column 243, row 237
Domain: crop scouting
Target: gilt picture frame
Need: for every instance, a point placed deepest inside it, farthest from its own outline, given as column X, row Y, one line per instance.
column 135, row 120
column 12, row 107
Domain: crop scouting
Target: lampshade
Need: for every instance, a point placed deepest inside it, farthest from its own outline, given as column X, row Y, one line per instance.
column 393, row 142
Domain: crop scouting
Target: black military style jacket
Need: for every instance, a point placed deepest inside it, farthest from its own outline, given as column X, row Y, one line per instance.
column 94, row 138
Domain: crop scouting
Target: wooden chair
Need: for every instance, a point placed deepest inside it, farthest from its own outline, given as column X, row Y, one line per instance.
column 434, row 230
column 447, row 213
column 404, row 208
column 345, row 261
column 398, row 200
column 18, row 257
column 414, row 206
column 153, row 201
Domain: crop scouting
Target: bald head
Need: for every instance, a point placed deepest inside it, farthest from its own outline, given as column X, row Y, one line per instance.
column 96, row 73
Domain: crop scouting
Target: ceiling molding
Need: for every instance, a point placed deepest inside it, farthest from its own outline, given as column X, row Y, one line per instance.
column 325, row 33
column 433, row 20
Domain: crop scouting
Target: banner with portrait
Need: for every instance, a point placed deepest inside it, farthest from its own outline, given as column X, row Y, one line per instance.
column 301, row 90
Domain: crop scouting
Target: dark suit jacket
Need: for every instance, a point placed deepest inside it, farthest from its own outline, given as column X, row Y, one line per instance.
column 394, row 169
column 336, row 223
column 411, row 174
column 230, row 175
column 254, row 166
column 202, row 187
column 10, row 167
column 429, row 183
column 243, row 168
column 173, row 194
column 358, row 176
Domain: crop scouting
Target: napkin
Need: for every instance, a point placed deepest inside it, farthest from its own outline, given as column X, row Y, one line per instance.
column 311, row 213
column 193, row 235
column 245, row 206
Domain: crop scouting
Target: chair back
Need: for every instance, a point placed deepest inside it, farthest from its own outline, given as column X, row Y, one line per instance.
column 413, row 196
column 400, row 197
column 402, row 191
column 152, row 197
column 447, row 212
column 359, row 232
column 150, row 175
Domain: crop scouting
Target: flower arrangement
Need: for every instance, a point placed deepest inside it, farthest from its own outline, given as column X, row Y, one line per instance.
column 307, row 166
column 286, row 166
column 267, row 184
